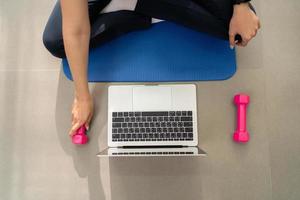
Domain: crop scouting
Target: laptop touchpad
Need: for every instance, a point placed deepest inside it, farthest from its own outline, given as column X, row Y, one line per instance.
column 152, row 98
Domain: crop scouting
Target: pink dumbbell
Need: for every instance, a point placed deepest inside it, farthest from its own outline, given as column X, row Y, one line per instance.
column 241, row 134
column 80, row 136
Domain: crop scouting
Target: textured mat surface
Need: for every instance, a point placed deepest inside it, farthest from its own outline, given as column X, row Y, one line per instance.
column 165, row 52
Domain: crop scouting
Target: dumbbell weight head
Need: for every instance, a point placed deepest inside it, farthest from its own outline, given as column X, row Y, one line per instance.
column 241, row 99
column 80, row 136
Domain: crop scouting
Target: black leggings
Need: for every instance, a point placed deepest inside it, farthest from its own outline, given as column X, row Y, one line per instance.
column 210, row 16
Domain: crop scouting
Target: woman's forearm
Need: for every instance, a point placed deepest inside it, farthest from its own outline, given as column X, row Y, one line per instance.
column 76, row 34
column 76, row 47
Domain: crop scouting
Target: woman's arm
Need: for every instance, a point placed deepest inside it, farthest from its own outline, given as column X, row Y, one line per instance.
column 76, row 36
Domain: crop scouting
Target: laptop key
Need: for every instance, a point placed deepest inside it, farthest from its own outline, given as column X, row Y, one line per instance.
column 132, row 119
column 115, row 136
column 120, row 130
column 137, row 114
column 189, row 113
column 116, row 125
column 138, row 119
column 125, row 130
column 160, row 113
column 186, row 119
column 114, row 114
column 114, row 130
column 124, row 125
column 120, row 114
column 131, row 130
column 172, row 113
column 170, row 129
column 188, row 129
column 188, row 124
column 168, row 135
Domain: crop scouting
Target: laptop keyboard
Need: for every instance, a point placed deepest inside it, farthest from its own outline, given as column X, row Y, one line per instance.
column 152, row 126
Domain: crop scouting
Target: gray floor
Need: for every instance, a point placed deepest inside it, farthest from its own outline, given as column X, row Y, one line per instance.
column 37, row 160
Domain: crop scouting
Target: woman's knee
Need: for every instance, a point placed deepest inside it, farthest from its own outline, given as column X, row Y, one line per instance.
column 53, row 44
column 52, row 36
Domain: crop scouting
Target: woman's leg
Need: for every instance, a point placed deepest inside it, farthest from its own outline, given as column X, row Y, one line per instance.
column 110, row 25
column 52, row 36
column 210, row 16
column 104, row 27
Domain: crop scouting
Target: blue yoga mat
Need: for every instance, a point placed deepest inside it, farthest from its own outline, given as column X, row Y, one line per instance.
column 165, row 52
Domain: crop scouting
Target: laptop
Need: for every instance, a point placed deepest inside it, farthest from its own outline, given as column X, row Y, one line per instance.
column 152, row 120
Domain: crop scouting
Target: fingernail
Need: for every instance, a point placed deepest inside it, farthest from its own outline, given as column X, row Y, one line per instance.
column 231, row 47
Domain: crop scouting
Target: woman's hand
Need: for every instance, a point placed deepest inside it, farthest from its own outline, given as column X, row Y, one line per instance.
column 82, row 113
column 243, row 22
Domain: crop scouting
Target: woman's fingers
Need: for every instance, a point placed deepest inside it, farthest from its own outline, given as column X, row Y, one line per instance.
column 88, row 122
column 232, row 40
column 74, row 128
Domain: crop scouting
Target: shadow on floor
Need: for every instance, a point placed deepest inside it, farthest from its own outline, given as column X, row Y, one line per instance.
column 84, row 157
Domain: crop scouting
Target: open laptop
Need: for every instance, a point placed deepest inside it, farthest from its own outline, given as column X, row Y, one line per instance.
column 152, row 120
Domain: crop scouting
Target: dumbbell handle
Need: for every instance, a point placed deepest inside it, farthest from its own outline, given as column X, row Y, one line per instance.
column 241, row 117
